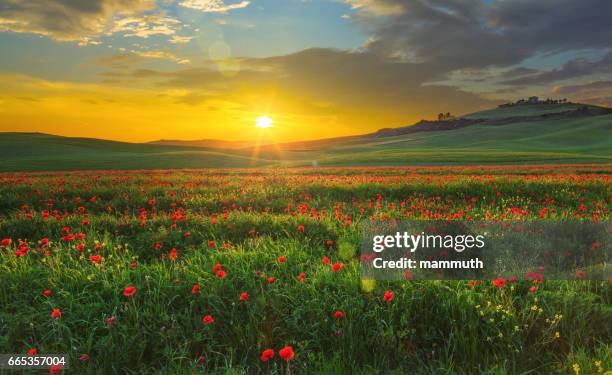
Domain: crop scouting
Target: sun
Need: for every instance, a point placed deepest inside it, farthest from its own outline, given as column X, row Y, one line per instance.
column 263, row 122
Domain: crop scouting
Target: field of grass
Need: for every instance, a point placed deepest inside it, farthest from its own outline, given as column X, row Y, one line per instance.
column 206, row 271
column 561, row 140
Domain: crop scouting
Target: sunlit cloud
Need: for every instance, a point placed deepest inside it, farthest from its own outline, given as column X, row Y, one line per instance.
column 66, row 20
column 214, row 6
column 144, row 26
column 179, row 39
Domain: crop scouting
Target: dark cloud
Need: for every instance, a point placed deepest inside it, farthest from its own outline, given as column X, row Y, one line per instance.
column 74, row 20
column 327, row 81
column 571, row 69
column 584, row 88
column 474, row 34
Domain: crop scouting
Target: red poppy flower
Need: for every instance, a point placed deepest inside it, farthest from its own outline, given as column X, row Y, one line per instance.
column 212, row 244
column 267, row 354
column 32, row 351
column 84, row 357
column 56, row 369
column 326, row 260
column 286, row 353
column 580, row 274
column 172, row 254
column 110, row 321
column 47, row 293
column 95, row 258
column 389, row 296
column 498, row 282
column 208, row 319
column 337, row 266
column 221, row 274
column 217, row 267
column 512, row 279
column 133, row 266
column 472, row 283
column 329, row 242
column 5, row 242
column 129, row 291
column 271, row 280
column 195, row 289
column 56, row 313
column 339, row 314
column 300, row 228
column 533, row 289
column 244, row 296
column 282, row 259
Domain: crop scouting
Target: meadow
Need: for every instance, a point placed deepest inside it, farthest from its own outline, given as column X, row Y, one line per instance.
column 257, row 271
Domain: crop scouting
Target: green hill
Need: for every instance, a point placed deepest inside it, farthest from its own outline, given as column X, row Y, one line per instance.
column 35, row 152
column 555, row 133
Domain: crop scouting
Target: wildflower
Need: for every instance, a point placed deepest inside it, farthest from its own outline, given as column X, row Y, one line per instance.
column 533, row 289
column 329, row 243
column 110, row 321
column 5, row 242
column 129, row 291
column 95, row 258
column 326, row 260
column 84, row 357
column 56, row 313
column 339, row 314
column 195, row 289
column 244, row 296
column 300, row 228
column 282, row 259
column 472, row 283
column 56, row 369
column 212, row 244
column 217, row 267
column 337, row 266
column 32, row 351
column 271, row 279
column 388, row 296
column 498, row 282
column 267, row 355
column 286, row 353
column 208, row 319
column 172, row 254
column 221, row 274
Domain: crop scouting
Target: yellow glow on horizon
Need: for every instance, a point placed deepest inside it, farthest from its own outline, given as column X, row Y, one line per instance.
column 264, row 122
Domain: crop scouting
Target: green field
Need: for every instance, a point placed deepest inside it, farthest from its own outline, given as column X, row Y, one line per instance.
column 556, row 140
column 225, row 265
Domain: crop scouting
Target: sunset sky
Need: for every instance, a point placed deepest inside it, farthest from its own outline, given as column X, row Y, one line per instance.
column 141, row 70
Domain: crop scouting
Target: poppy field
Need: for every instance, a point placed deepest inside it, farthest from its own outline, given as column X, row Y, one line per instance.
column 257, row 271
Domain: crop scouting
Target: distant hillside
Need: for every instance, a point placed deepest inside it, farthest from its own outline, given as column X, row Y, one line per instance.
column 36, row 151
column 546, row 133
column 205, row 143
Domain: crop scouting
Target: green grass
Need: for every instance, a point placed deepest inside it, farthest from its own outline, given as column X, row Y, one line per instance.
column 431, row 327
column 569, row 140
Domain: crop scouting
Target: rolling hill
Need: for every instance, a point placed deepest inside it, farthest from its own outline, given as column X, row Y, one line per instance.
column 544, row 133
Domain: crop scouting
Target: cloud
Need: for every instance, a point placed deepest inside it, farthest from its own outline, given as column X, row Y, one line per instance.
column 477, row 34
column 144, row 26
column 571, row 69
column 179, row 39
column 358, row 88
column 66, row 20
column 123, row 61
column 586, row 88
column 213, row 6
